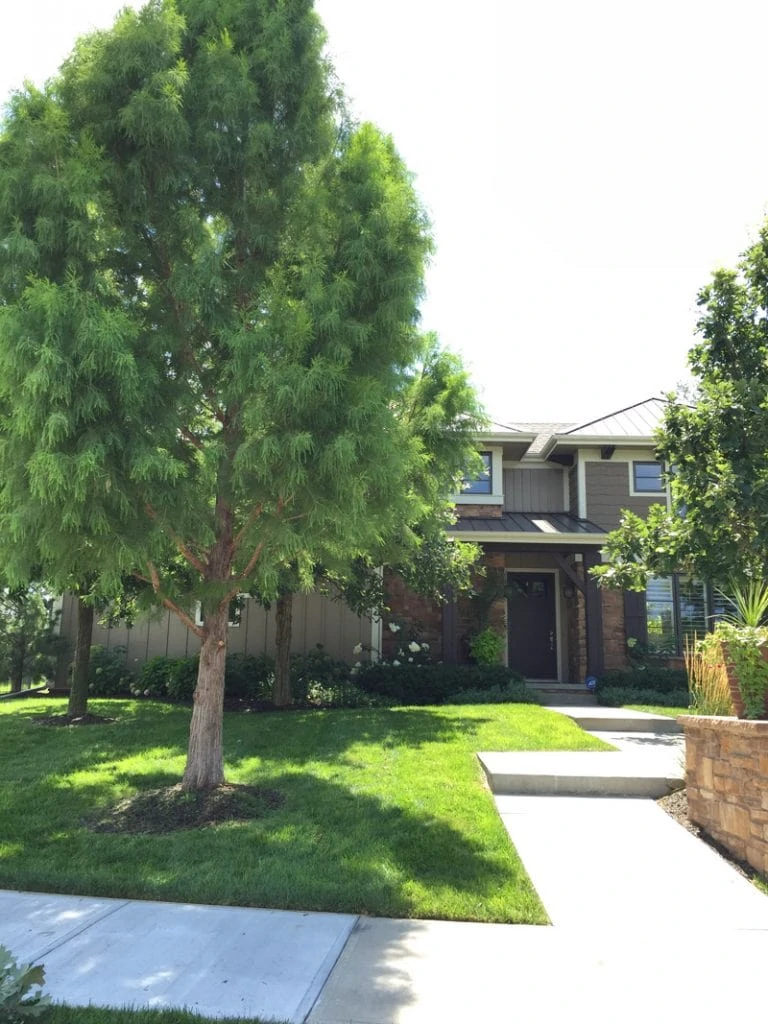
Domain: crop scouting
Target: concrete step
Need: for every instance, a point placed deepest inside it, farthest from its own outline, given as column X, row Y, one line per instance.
column 600, row 719
column 620, row 773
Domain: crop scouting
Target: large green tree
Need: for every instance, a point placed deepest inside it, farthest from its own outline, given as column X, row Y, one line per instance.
column 714, row 442
column 209, row 287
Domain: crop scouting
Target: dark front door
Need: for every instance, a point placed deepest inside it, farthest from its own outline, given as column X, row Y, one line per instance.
column 532, row 625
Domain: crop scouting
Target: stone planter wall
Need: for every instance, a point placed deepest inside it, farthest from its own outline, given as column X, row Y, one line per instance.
column 726, row 774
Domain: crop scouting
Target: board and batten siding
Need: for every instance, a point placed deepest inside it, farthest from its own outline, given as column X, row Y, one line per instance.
column 608, row 493
column 573, row 491
column 316, row 620
column 533, row 490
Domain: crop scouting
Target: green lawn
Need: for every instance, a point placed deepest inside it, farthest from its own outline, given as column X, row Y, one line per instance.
column 654, row 709
column 94, row 1015
column 385, row 811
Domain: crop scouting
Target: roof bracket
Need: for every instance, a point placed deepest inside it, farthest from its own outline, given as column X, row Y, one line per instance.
column 606, row 452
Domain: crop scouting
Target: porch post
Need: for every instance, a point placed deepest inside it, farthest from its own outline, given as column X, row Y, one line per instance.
column 594, row 616
column 450, row 623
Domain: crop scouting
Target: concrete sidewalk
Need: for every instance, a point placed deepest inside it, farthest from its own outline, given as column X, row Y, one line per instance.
column 649, row 923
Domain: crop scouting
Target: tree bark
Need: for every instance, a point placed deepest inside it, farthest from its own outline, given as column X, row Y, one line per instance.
column 78, row 694
column 205, row 755
column 282, row 695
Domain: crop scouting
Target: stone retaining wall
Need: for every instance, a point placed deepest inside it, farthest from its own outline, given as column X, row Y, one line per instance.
column 726, row 773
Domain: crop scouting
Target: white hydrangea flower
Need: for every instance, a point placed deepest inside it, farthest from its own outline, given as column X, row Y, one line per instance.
column 425, row 647
column 395, row 662
column 358, row 664
column 413, row 647
column 394, row 628
column 410, row 659
column 357, row 649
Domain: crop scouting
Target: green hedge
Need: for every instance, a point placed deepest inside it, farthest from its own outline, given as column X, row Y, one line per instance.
column 434, row 684
column 655, row 680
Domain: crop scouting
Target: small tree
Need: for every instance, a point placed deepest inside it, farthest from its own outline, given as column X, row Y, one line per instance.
column 28, row 643
column 715, row 445
column 209, row 287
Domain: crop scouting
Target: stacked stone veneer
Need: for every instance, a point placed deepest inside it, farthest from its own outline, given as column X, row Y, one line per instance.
column 726, row 769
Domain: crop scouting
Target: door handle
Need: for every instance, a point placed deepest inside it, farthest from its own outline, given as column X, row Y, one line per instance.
column 551, row 639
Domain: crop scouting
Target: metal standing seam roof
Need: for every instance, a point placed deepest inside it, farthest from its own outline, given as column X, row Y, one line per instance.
column 639, row 420
column 533, row 523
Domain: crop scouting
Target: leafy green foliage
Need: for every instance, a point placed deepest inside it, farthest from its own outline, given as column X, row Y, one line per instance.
column 744, row 647
column 153, row 677
column 21, row 995
column 514, row 692
column 432, row 684
column 108, row 675
column 28, row 644
column 653, row 678
column 209, row 292
column 486, row 647
column 749, row 600
column 716, row 442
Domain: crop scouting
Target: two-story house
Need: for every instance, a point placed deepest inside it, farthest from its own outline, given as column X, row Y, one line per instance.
column 541, row 510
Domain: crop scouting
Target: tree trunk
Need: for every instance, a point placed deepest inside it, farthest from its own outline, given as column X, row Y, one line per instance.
column 282, row 695
column 205, row 756
column 78, row 695
column 18, row 652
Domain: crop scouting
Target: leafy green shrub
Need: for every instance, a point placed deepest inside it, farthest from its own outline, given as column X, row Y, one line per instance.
column 152, row 680
column 315, row 668
column 344, row 695
column 513, row 693
column 745, row 652
column 249, row 676
column 108, row 674
column 617, row 697
column 644, row 677
column 181, row 679
column 431, row 684
column 21, row 988
column 486, row 647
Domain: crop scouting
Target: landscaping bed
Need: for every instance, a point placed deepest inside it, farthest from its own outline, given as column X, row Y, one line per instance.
column 375, row 811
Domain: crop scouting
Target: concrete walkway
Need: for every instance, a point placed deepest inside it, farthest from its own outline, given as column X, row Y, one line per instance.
column 649, row 924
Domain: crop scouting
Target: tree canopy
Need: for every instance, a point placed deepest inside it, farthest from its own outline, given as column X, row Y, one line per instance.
column 714, row 443
column 209, row 290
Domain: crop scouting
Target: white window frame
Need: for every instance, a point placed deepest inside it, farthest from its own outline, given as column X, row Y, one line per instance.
column 646, row 494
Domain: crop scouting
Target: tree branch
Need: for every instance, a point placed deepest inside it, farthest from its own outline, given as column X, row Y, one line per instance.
column 184, row 550
column 252, row 517
column 188, row 621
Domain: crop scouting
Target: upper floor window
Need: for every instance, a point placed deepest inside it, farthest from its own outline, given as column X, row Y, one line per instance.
column 483, row 483
column 648, row 478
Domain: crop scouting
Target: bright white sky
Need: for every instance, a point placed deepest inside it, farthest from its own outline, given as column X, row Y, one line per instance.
column 585, row 165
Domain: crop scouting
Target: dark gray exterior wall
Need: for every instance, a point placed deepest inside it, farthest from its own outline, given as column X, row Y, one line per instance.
column 608, row 493
column 533, row 490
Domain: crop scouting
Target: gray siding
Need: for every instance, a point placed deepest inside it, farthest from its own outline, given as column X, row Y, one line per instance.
column 316, row 620
column 608, row 493
column 573, row 491
column 533, row 490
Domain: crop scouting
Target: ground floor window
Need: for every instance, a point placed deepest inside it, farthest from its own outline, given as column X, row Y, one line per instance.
column 678, row 608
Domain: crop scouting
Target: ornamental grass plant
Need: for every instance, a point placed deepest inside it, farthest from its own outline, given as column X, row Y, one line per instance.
column 707, row 676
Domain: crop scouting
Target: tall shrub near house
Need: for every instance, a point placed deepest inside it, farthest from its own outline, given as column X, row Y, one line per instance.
column 210, row 287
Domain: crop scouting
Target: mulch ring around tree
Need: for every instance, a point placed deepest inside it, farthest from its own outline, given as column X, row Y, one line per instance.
column 56, row 720
column 173, row 809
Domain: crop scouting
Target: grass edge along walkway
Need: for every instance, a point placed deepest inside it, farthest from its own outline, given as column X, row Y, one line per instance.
column 385, row 811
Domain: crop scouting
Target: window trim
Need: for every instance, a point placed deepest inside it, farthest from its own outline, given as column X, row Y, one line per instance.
column 481, row 480
column 634, row 491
